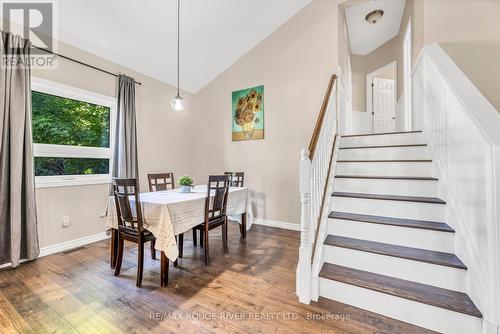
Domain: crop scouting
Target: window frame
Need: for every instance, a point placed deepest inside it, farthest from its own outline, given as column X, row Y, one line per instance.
column 69, row 151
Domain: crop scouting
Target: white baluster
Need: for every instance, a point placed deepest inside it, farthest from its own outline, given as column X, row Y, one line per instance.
column 303, row 279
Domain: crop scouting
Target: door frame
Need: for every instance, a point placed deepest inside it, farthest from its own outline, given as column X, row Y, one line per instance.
column 407, row 66
column 369, row 96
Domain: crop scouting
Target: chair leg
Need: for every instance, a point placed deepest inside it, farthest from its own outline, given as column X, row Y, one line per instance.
column 164, row 270
column 195, row 238
column 140, row 263
column 205, row 234
column 114, row 247
column 224, row 235
column 181, row 245
column 202, row 238
column 153, row 250
column 119, row 255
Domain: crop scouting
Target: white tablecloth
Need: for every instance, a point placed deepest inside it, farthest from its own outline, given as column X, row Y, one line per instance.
column 169, row 213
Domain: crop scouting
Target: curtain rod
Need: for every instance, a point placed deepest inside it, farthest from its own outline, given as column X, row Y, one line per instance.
column 79, row 62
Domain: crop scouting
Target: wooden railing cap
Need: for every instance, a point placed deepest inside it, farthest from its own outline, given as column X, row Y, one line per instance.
column 319, row 121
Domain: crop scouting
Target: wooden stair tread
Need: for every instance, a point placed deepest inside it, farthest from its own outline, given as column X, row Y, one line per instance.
column 382, row 133
column 410, row 223
column 376, row 323
column 416, row 178
column 418, row 292
column 382, row 146
column 403, row 252
column 419, row 199
column 388, row 160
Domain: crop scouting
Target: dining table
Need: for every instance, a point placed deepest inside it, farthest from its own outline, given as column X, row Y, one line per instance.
column 169, row 213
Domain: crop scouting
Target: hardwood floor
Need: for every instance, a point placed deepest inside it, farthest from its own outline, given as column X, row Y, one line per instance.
column 249, row 290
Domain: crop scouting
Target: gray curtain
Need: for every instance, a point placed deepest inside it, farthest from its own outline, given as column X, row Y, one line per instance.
column 18, row 225
column 125, row 158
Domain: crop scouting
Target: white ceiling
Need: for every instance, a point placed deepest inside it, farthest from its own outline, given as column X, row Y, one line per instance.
column 141, row 34
column 365, row 37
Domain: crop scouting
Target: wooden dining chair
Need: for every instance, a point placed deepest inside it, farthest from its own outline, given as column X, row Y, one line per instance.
column 237, row 178
column 215, row 210
column 161, row 181
column 165, row 181
column 130, row 226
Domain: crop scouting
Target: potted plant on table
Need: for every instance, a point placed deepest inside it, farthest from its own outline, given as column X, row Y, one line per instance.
column 186, row 183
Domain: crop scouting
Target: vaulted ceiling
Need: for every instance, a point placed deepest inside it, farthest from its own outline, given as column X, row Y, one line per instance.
column 141, row 34
column 365, row 37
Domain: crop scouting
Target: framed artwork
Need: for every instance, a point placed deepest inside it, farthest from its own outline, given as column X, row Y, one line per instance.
column 248, row 114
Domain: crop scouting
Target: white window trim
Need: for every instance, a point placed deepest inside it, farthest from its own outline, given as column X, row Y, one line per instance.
column 67, row 151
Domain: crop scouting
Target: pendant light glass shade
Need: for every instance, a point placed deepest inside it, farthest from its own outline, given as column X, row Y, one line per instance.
column 178, row 103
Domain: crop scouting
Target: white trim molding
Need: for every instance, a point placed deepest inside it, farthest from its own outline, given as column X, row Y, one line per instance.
column 461, row 127
column 67, row 245
column 67, row 151
column 71, row 244
column 277, row 223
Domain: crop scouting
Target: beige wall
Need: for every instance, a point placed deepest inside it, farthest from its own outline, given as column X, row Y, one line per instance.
column 470, row 34
column 344, row 43
column 461, row 20
column 294, row 64
column 358, row 65
column 162, row 140
column 387, row 73
column 480, row 61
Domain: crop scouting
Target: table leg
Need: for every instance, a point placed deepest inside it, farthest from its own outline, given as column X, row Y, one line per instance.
column 243, row 226
column 164, row 270
column 113, row 248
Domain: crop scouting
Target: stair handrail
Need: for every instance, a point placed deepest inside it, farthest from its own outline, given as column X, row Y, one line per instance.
column 314, row 169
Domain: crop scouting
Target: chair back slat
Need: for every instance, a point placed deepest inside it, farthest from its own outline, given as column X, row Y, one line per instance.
column 124, row 190
column 161, row 181
column 237, row 178
column 218, row 186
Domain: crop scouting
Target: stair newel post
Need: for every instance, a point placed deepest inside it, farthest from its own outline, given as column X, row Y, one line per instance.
column 303, row 288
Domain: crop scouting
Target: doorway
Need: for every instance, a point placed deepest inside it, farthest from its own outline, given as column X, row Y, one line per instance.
column 381, row 98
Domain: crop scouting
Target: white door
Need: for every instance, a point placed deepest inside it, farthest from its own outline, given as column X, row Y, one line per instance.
column 383, row 105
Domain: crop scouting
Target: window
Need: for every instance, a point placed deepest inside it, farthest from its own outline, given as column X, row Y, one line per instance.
column 72, row 135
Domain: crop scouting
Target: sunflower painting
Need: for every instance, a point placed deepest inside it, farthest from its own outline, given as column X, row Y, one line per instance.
column 248, row 114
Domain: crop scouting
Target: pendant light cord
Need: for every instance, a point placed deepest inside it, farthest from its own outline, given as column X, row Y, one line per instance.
column 178, row 42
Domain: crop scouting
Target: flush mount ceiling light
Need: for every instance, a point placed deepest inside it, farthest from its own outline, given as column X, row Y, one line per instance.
column 374, row 16
column 178, row 103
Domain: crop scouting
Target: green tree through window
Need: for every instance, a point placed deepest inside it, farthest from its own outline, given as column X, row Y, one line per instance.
column 63, row 121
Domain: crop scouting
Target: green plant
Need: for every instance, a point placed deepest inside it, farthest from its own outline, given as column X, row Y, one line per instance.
column 186, row 180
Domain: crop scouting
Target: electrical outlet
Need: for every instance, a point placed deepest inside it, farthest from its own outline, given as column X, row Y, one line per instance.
column 66, row 221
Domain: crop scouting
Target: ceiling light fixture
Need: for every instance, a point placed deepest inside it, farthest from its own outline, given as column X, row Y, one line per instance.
column 178, row 103
column 374, row 16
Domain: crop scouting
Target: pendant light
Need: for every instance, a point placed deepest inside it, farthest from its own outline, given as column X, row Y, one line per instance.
column 178, row 103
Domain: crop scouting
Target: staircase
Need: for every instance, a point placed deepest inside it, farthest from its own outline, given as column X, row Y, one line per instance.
column 388, row 247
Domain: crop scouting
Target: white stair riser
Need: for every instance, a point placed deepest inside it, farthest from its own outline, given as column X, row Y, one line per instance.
column 419, row 314
column 421, row 272
column 393, row 139
column 395, row 235
column 425, row 188
column 384, row 168
column 388, row 153
column 397, row 209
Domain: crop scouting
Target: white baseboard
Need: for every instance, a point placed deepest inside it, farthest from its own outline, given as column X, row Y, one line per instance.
column 67, row 245
column 276, row 223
